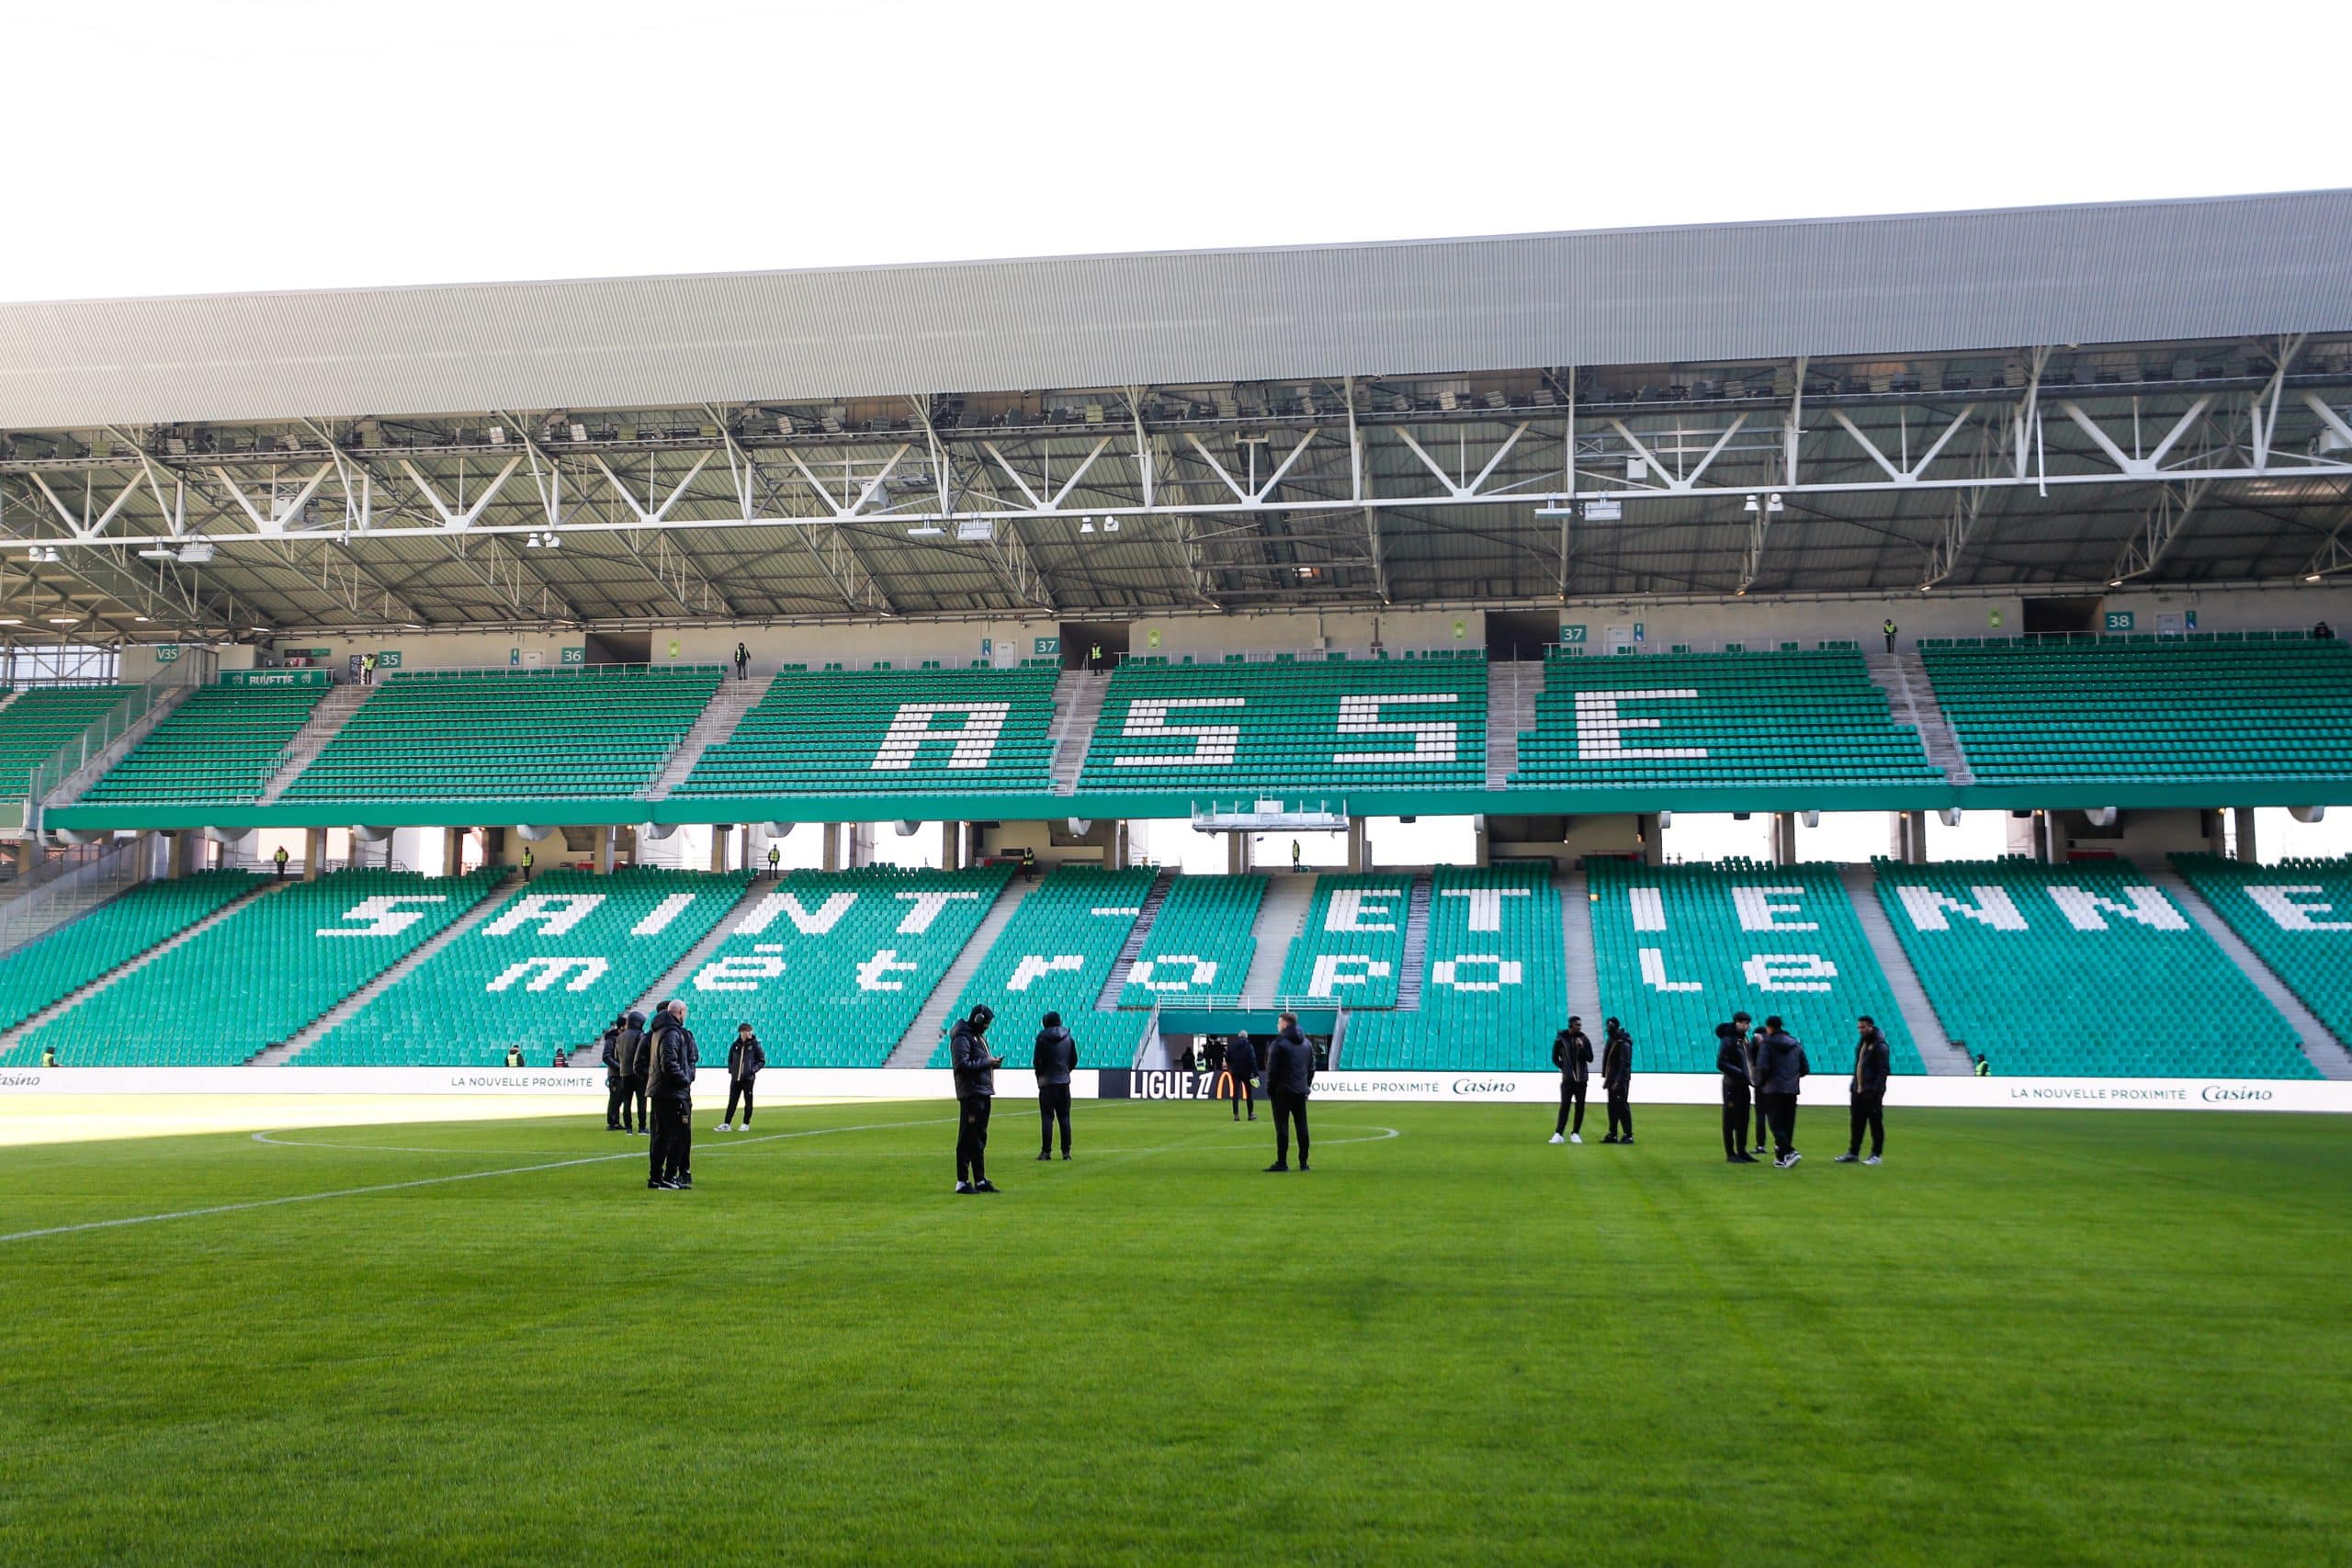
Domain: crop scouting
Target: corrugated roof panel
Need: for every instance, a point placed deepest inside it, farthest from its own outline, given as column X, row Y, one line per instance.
column 2105, row 274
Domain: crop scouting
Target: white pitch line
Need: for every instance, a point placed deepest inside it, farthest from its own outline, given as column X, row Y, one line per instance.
column 419, row 1181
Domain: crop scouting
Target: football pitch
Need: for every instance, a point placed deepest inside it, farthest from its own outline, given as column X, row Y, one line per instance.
column 2031, row 1337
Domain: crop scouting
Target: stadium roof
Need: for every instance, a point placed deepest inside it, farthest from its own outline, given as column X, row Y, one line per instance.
column 2043, row 400
column 2109, row 273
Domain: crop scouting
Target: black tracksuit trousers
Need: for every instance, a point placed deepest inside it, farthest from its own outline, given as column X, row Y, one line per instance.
column 1053, row 1105
column 1621, row 1114
column 1868, row 1113
column 1781, row 1111
column 671, row 1157
column 634, row 1089
column 1290, row 1110
column 616, row 1102
column 1242, row 1094
column 1735, row 1122
column 1571, row 1094
column 738, row 1089
column 1763, row 1126
column 972, row 1137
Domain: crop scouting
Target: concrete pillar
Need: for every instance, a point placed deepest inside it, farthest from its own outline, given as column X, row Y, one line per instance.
column 832, row 842
column 1478, row 839
column 1357, row 856
column 861, row 843
column 1236, row 854
column 2246, row 835
column 1784, row 838
column 718, row 832
column 314, row 853
column 604, row 851
column 175, row 857
column 951, row 846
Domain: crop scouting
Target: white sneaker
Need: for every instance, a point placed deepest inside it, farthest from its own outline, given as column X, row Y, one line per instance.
column 723, row 1127
column 1557, row 1139
column 1576, row 1138
column 1874, row 1159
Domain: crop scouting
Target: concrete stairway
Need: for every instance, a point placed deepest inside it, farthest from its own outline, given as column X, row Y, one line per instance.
column 1583, row 969
column 1132, row 949
column 310, row 1033
column 716, row 726
column 1417, row 946
column 672, row 980
column 1078, row 703
column 2318, row 1041
column 74, row 784
column 1912, row 697
column 1281, row 915
column 1511, row 689
column 334, row 710
column 264, row 888
column 923, row 1036
column 1919, row 1020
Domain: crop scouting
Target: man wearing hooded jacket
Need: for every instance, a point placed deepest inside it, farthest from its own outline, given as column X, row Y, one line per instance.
column 968, row 1053
column 1781, row 1069
column 1731, row 1060
column 1572, row 1053
column 1867, row 1093
column 616, row 1081
column 670, row 1071
column 1056, row 1059
column 1240, row 1066
column 744, row 1060
column 1290, row 1078
column 631, row 1046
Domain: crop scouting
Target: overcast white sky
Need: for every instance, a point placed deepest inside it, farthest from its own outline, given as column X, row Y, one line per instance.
column 205, row 145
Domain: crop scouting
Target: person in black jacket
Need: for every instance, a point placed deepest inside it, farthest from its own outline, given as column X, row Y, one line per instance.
column 1055, row 1059
column 1240, row 1066
column 633, row 1045
column 1290, row 1078
column 1572, row 1053
column 1617, row 1078
column 1750, row 1038
column 1780, row 1069
column 669, row 1069
column 1867, row 1093
column 968, row 1053
column 1731, row 1060
column 615, row 1079
column 744, row 1060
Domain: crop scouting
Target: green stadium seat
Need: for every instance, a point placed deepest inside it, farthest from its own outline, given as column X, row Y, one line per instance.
column 862, row 731
column 2148, row 711
column 53, row 966
column 564, row 734
column 260, row 976
column 1761, row 718
column 832, row 968
column 1495, row 987
column 1679, row 949
column 220, row 746
column 1055, row 955
column 1323, row 726
column 1351, row 950
column 2081, row 970
column 558, row 959
column 1201, row 943
column 2296, row 915
column 40, row 721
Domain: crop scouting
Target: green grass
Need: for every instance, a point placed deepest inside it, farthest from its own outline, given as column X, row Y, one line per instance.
column 2030, row 1337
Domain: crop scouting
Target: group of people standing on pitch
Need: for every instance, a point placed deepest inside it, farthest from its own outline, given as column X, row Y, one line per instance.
column 1289, row 1076
column 655, row 1065
column 1762, row 1070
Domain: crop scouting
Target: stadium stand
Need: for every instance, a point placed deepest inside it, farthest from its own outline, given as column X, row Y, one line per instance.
column 1055, row 955
column 2080, row 970
column 1496, row 988
column 43, row 971
column 42, row 719
column 2134, row 708
column 1351, row 947
column 221, row 745
column 599, row 733
column 857, row 731
column 259, row 975
column 832, row 966
column 553, row 965
column 1325, row 725
column 1681, row 948
column 2296, row 915
column 1200, row 944
column 1812, row 717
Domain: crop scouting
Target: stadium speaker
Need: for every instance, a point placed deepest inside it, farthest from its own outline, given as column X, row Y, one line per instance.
column 1810, row 819
column 2101, row 816
column 535, row 831
column 1664, row 820
column 909, row 829
column 367, row 835
column 654, row 832
column 2307, row 813
column 1949, row 816
column 1080, row 826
